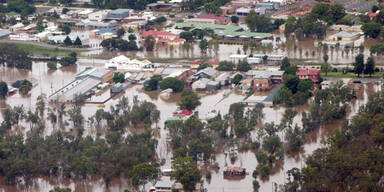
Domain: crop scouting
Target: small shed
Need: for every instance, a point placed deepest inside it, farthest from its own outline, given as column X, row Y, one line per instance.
column 117, row 88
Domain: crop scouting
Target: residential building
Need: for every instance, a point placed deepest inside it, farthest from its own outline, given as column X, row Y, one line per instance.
column 236, row 58
column 196, row 64
column 223, row 79
column 122, row 62
column 16, row 27
column 217, row 19
column 279, row 2
column 84, row 37
column 264, row 80
column 200, row 21
column 343, row 38
column 162, row 186
column 118, row 14
column 134, row 24
column 242, row 3
column 243, row 11
column 205, row 84
column 181, row 74
column 24, row 37
column 98, row 15
column 307, row 73
column 207, row 73
column 227, row 32
column 4, row 33
column 163, row 37
column 84, row 13
column 227, row 10
column 267, row 6
column 234, row 171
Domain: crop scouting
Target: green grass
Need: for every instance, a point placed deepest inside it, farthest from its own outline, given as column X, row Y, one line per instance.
column 349, row 75
column 43, row 51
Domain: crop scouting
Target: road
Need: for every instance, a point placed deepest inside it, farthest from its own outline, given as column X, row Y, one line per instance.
column 47, row 45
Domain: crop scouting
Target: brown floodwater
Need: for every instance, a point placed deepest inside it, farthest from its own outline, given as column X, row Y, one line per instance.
column 48, row 81
column 304, row 50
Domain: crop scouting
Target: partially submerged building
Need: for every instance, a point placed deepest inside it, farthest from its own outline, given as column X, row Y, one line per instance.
column 234, row 171
column 308, row 73
column 227, row 32
column 263, row 80
column 122, row 62
column 84, row 82
column 343, row 39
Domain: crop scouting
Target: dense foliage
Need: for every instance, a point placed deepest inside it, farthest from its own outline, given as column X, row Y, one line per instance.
column 119, row 44
column 189, row 100
column 153, row 83
column 261, row 23
column 118, row 77
column 13, row 56
column 25, row 87
column 170, row 82
column 225, row 66
column 351, row 159
column 69, row 60
column 76, row 156
column 3, row 89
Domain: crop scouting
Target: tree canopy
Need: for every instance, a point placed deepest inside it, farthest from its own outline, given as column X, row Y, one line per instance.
column 170, row 82
column 3, row 89
column 189, row 100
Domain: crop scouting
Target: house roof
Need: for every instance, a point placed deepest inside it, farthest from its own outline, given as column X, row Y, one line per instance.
column 164, row 184
column 213, row 16
column 4, row 32
column 308, row 71
column 344, row 34
column 235, row 169
column 225, row 30
column 94, row 72
column 119, row 11
column 156, row 33
column 258, row 74
column 372, row 14
column 209, row 71
column 222, row 77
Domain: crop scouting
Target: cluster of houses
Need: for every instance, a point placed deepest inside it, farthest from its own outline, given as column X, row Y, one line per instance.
column 92, row 26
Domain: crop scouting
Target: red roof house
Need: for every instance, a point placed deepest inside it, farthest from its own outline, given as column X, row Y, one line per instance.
column 163, row 37
column 307, row 73
column 373, row 15
column 183, row 113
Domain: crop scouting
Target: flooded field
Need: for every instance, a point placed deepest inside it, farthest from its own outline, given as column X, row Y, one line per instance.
column 47, row 82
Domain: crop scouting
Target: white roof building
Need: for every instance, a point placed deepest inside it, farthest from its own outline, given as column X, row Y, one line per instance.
column 98, row 15
column 122, row 62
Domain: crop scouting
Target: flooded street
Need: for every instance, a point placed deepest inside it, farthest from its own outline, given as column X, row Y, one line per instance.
column 47, row 82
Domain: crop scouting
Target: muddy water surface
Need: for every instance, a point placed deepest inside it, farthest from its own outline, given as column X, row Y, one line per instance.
column 47, row 82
